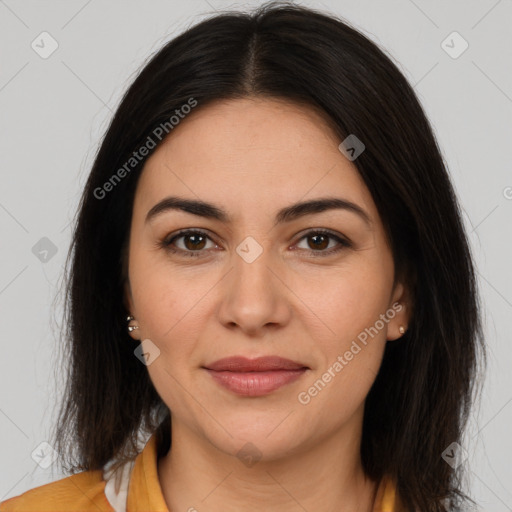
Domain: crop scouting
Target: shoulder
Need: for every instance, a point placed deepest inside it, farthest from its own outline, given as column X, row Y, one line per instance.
column 83, row 491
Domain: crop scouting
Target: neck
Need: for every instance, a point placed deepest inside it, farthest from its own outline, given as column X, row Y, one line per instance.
column 327, row 477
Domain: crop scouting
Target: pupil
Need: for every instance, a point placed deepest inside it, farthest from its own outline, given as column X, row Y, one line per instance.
column 194, row 245
column 316, row 239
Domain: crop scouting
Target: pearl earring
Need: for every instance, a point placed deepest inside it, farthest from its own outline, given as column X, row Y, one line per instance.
column 131, row 327
column 401, row 329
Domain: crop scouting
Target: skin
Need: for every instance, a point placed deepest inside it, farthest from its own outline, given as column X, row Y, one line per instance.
column 252, row 157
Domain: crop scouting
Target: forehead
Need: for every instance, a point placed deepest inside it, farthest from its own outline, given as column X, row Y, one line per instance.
column 251, row 153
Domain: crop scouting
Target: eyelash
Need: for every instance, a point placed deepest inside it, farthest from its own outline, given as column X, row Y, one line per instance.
column 343, row 243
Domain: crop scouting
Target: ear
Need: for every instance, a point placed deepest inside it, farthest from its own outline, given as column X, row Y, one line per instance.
column 401, row 306
column 128, row 304
column 127, row 297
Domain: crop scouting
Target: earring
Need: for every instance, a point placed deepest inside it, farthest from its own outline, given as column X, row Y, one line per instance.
column 131, row 327
column 401, row 329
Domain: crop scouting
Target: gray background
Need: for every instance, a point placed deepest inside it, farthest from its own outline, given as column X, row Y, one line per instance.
column 55, row 110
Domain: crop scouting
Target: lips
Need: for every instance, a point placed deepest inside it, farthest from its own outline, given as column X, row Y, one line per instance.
column 260, row 364
column 255, row 377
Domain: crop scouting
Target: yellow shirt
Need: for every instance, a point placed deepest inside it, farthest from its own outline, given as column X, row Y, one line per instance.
column 86, row 491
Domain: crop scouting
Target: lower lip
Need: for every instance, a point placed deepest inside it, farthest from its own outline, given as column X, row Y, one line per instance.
column 255, row 383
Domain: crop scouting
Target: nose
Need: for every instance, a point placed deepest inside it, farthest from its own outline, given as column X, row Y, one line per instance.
column 255, row 297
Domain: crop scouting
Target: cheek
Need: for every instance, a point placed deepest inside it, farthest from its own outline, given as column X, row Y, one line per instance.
column 348, row 360
column 169, row 308
column 347, row 300
column 162, row 294
column 350, row 302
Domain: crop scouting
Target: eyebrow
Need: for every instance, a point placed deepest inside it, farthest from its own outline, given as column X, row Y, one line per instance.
column 287, row 214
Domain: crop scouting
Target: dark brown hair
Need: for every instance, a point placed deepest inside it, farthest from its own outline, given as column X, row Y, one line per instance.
column 421, row 398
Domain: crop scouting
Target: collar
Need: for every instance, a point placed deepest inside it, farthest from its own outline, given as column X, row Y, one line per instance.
column 144, row 491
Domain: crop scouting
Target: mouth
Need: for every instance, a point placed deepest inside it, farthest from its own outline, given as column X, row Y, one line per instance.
column 255, row 377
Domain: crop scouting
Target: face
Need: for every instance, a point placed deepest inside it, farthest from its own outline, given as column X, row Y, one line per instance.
column 252, row 278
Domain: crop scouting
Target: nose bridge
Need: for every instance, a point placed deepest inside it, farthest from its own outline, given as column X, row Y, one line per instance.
column 252, row 263
column 253, row 296
column 251, row 274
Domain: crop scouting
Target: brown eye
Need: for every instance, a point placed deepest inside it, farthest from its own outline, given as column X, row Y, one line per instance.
column 192, row 243
column 319, row 240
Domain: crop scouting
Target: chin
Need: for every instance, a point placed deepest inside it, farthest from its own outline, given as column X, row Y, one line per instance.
column 258, row 439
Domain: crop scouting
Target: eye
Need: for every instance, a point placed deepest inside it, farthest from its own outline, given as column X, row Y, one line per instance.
column 194, row 241
column 319, row 239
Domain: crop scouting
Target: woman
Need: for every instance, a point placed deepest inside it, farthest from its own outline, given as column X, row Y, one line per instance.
column 269, row 264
